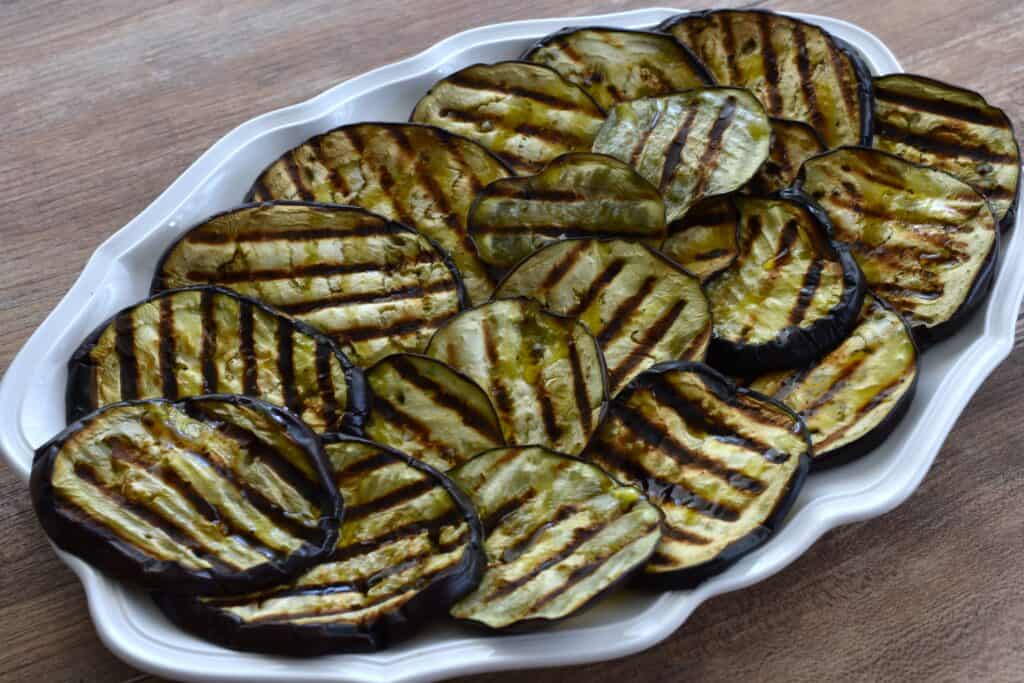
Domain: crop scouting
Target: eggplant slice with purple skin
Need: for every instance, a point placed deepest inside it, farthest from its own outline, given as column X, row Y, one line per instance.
column 704, row 240
column 724, row 464
column 926, row 241
column 207, row 340
column 410, row 545
column 790, row 297
column 793, row 143
column 210, row 495
column 560, row 532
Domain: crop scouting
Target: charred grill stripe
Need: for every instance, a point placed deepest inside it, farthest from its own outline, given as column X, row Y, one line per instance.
column 336, row 180
column 432, row 527
column 498, row 515
column 651, row 336
column 400, row 496
column 561, row 268
column 807, row 84
column 841, row 69
column 625, row 310
column 683, row 536
column 579, row 387
column 549, row 135
column 426, row 180
column 754, row 228
column 729, row 43
column 325, row 385
column 560, row 232
column 466, row 81
column 260, row 192
column 710, row 255
column 247, row 349
column 878, row 399
column 771, row 65
column 363, row 467
column 124, row 344
column 840, row 380
column 883, row 214
column 392, row 415
column 502, row 399
column 600, row 283
column 675, row 150
column 286, row 367
column 641, row 143
column 295, row 175
column 530, row 537
column 168, row 377
column 208, row 351
column 695, row 349
column 373, row 228
column 552, row 429
column 812, row 278
column 942, row 107
column 308, row 270
column 369, row 298
column 713, row 150
column 401, row 326
column 461, row 168
column 942, row 147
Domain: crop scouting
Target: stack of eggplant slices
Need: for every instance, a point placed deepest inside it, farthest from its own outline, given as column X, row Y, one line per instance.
column 588, row 319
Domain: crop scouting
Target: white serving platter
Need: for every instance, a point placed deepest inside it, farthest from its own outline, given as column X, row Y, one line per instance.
column 118, row 274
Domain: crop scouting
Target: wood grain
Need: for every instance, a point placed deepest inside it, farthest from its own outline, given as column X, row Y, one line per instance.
column 104, row 104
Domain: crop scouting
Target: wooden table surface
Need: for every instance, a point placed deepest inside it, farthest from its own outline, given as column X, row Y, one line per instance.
column 104, row 104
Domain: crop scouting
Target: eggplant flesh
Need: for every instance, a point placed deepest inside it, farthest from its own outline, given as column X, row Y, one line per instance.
column 724, row 464
column 793, row 143
column 209, row 495
column 410, row 545
column 704, row 240
column 576, row 195
column 640, row 306
column 559, row 533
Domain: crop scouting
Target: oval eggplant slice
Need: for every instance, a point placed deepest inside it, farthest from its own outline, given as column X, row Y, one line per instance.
column 798, row 71
column 954, row 130
column 209, row 495
column 790, row 297
column 559, row 532
column 704, row 240
column 424, row 408
column 724, row 464
column 576, row 195
column 793, row 143
column 525, row 113
column 410, row 546
column 420, row 176
column 640, row 306
column 615, row 65
column 206, row 340
column 544, row 373
column 853, row 397
column 926, row 241
column 375, row 286
column 692, row 145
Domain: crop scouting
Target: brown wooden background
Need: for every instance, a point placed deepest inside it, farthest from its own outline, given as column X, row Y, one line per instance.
column 102, row 105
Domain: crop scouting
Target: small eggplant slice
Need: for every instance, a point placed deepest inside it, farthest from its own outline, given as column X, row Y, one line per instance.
column 926, row 241
column 375, row 286
column 724, row 464
column 420, row 176
column 798, row 70
column 576, row 195
column 410, row 545
column 207, row 340
column 559, row 533
column 691, row 145
column 790, row 297
column 210, row 495
column 954, row 130
column 856, row 395
column 704, row 240
column 525, row 113
column 793, row 143
column 641, row 307
column 422, row 407
column 616, row 65
column 544, row 373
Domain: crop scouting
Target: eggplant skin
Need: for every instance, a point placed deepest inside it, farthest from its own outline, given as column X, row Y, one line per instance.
column 309, row 640
column 100, row 547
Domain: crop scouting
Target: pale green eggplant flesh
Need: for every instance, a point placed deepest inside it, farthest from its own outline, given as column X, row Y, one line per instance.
column 704, row 240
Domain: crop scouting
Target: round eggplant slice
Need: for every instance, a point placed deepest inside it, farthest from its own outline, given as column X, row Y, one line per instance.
column 790, row 297
column 724, row 464
column 544, row 373
column 704, row 240
column 424, row 408
column 954, row 130
column 576, row 195
column 926, row 241
column 409, row 547
column 525, row 113
column 616, row 65
column 793, row 143
column 641, row 307
column 420, row 176
column 207, row 340
column 796, row 69
column 209, row 495
column 559, row 533
column 853, row 397
column 375, row 286
column 691, row 145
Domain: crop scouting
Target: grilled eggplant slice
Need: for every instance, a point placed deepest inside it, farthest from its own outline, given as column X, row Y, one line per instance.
column 704, row 240
column 422, row 407
column 796, row 69
column 525, row 113
column 559, row 532
column 420, row 176
column 951, row 129
column 576, row 195
column 373, row 285
column 206, row 340
column 544, row 373
column 615, row 65
column 927, row 242
column 791, row 296
column 209, row 495
column 640, row 306
column 793, row 143
column 410, row 546
column 724, row 464
column 691, row 145
column 853, row 397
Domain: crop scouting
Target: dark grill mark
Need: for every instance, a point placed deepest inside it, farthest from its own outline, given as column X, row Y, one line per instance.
column 400, row 496
column 529, row 538
column 247, row 349
column 494, row 520
column 579, row 388
column 378, row 297
column 683, row 536
column 502, row 399
column 561, row 268
column 841, row 379
column 260, row 191
column 424, row 437
column 878, row 399
column 642, row 349
column 124, row 345
column 812, row 278
column 169, row 379
column 675, row 150
column 364, row 467
column 709, row 159
column 464, row 80
column 645, row 135
column 771, row 65
column 286, row 367
column 729, row 43
column 336, row 180
column 552, row 429
column 847, row 86
column 941, row 147
column 598, row 286
column 807, row 85
column 373, row 228
column 625, row 310
column 325, row 385
column 432, row 527
column 309, row 270
column 947, row 108
column 295, row 175
column 400, row 327
column 208, row 352
column 562, row 232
